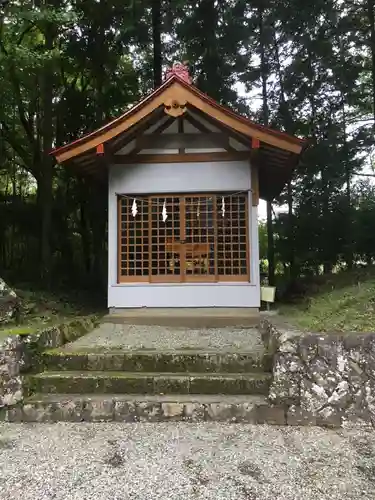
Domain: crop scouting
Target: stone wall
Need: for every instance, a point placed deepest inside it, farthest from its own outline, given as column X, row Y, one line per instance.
column 21, row 354
column 9, row 303
column 323, row 379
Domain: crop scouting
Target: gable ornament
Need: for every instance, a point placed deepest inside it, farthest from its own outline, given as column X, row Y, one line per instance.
column 174, row 107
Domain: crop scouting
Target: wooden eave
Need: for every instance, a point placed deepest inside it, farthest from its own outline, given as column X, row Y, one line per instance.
column 276, row 157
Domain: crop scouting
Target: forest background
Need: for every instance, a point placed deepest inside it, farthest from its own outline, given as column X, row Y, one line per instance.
column 66, row 67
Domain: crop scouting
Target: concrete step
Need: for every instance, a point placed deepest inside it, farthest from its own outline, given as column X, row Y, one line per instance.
column 158, row 361
column 107, row 382
column 141, row 408
column 211, row 317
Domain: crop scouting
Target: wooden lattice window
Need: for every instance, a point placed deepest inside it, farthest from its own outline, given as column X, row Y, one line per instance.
column 134, row 240
column 184, row 238
column 232, row 232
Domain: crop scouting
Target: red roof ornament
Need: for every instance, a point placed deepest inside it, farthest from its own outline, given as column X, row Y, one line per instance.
column 180, row 70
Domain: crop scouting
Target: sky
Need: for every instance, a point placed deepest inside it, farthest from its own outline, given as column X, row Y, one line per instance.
column 262, row 210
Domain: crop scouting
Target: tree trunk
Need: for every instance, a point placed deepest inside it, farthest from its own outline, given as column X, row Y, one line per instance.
column 98, row 223
column 209, row 79
column 321, row 166
column 265, row 116
column 349, row 238
column 288, row 125
column 45, row 198
column 100, row 106
column 291, row 232
column 270, row 246
column 156, row 40
column 371, row 18
column 45, row 181
column 84, row 226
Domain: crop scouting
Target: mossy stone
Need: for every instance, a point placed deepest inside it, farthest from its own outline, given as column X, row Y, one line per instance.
column 171, row 385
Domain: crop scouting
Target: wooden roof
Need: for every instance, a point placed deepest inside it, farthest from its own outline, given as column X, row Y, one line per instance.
column 275, row 153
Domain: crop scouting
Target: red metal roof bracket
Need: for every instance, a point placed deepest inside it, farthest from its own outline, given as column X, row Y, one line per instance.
column 255, row 143
column 100, row 149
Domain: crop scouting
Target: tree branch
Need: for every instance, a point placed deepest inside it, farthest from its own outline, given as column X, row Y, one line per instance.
column 25, row 32
column 17, row 92
column 364, row 175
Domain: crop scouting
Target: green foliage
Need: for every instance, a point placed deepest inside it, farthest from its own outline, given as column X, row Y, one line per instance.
column 262, row 228
column 343, row 303
column 68, row 67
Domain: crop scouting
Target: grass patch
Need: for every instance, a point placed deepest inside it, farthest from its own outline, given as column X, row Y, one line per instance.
column 46, row 308
column 19, row 330
column 341, row 303
column 41, row 309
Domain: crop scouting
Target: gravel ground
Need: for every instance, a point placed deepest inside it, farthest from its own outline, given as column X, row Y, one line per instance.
column 109, row 335
column 184, row 461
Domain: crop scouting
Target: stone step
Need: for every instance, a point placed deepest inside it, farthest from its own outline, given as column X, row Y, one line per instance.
column 156, row 361
column 141, row 408
column 106, row 382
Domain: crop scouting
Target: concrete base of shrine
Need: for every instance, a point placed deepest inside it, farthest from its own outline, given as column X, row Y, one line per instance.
column 201, row 317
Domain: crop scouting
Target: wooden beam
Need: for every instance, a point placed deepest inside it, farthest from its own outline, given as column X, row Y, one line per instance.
column 164, row 126
column 202, row 128
column 176, row 141
column 268, row 161
column 180, row 124
column 178, row 158
column 275, row 153
column 273, row 157
column 254, row 185
column 197, row 124
column 157, row 132
column 84, row 160
column 98, row 162
column 123, row 139
column 242, row 139
column 90, row 170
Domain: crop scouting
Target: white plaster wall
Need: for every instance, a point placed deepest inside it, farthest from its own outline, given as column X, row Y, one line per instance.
column 181, row 178
column 187, row 295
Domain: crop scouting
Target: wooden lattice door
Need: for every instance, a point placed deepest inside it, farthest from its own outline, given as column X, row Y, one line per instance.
column 184, row 238
column 199, row 236
column 165, row 230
